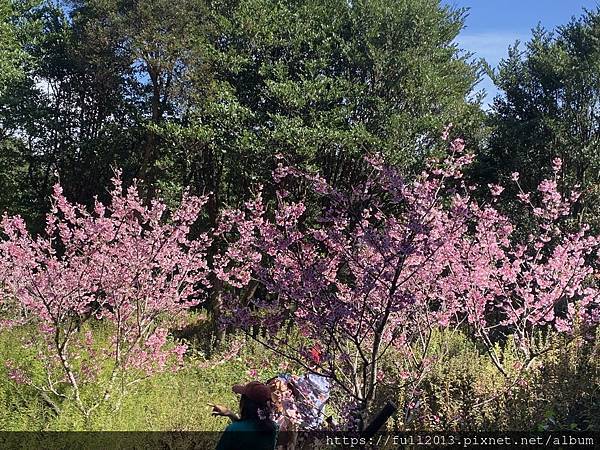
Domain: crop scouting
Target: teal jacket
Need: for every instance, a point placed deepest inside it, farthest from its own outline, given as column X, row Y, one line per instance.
column 246, row 435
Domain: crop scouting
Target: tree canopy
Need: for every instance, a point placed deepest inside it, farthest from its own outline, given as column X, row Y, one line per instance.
column 205, row 93
column 549, row 107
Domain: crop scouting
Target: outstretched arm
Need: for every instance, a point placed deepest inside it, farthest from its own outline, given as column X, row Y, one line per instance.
column 224, row 411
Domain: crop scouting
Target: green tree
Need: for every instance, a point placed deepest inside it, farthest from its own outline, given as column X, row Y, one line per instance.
column 18, row 28
column 70, row 117
column 156, row 40
column 326, row 82
column 185, row 92
column 13, row 28
column 550, row 107
column 321, row 83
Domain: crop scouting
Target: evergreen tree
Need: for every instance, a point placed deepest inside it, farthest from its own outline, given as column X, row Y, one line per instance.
column 550, row 107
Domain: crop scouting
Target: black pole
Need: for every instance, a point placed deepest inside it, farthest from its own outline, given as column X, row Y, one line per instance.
column 379, row 420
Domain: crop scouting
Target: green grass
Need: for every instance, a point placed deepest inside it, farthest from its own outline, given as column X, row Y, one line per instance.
column 461, row 391
column 166, row 401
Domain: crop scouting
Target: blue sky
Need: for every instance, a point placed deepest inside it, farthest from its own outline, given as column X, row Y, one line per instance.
column 493, row 25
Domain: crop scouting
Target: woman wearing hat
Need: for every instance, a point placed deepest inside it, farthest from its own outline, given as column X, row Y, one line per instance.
column 254, row 428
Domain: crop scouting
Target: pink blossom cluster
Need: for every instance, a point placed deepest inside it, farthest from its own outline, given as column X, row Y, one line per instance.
column 385, row 264
column 128, row 264
column 356, row 273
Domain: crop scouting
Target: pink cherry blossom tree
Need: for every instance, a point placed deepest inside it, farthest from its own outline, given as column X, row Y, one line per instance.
column 386, row 264
column 523, row 288
column 363, row 276
column 123, row 269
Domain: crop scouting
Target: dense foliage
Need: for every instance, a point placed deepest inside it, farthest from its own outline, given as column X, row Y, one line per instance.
column 549, row 108
column 204, row 94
